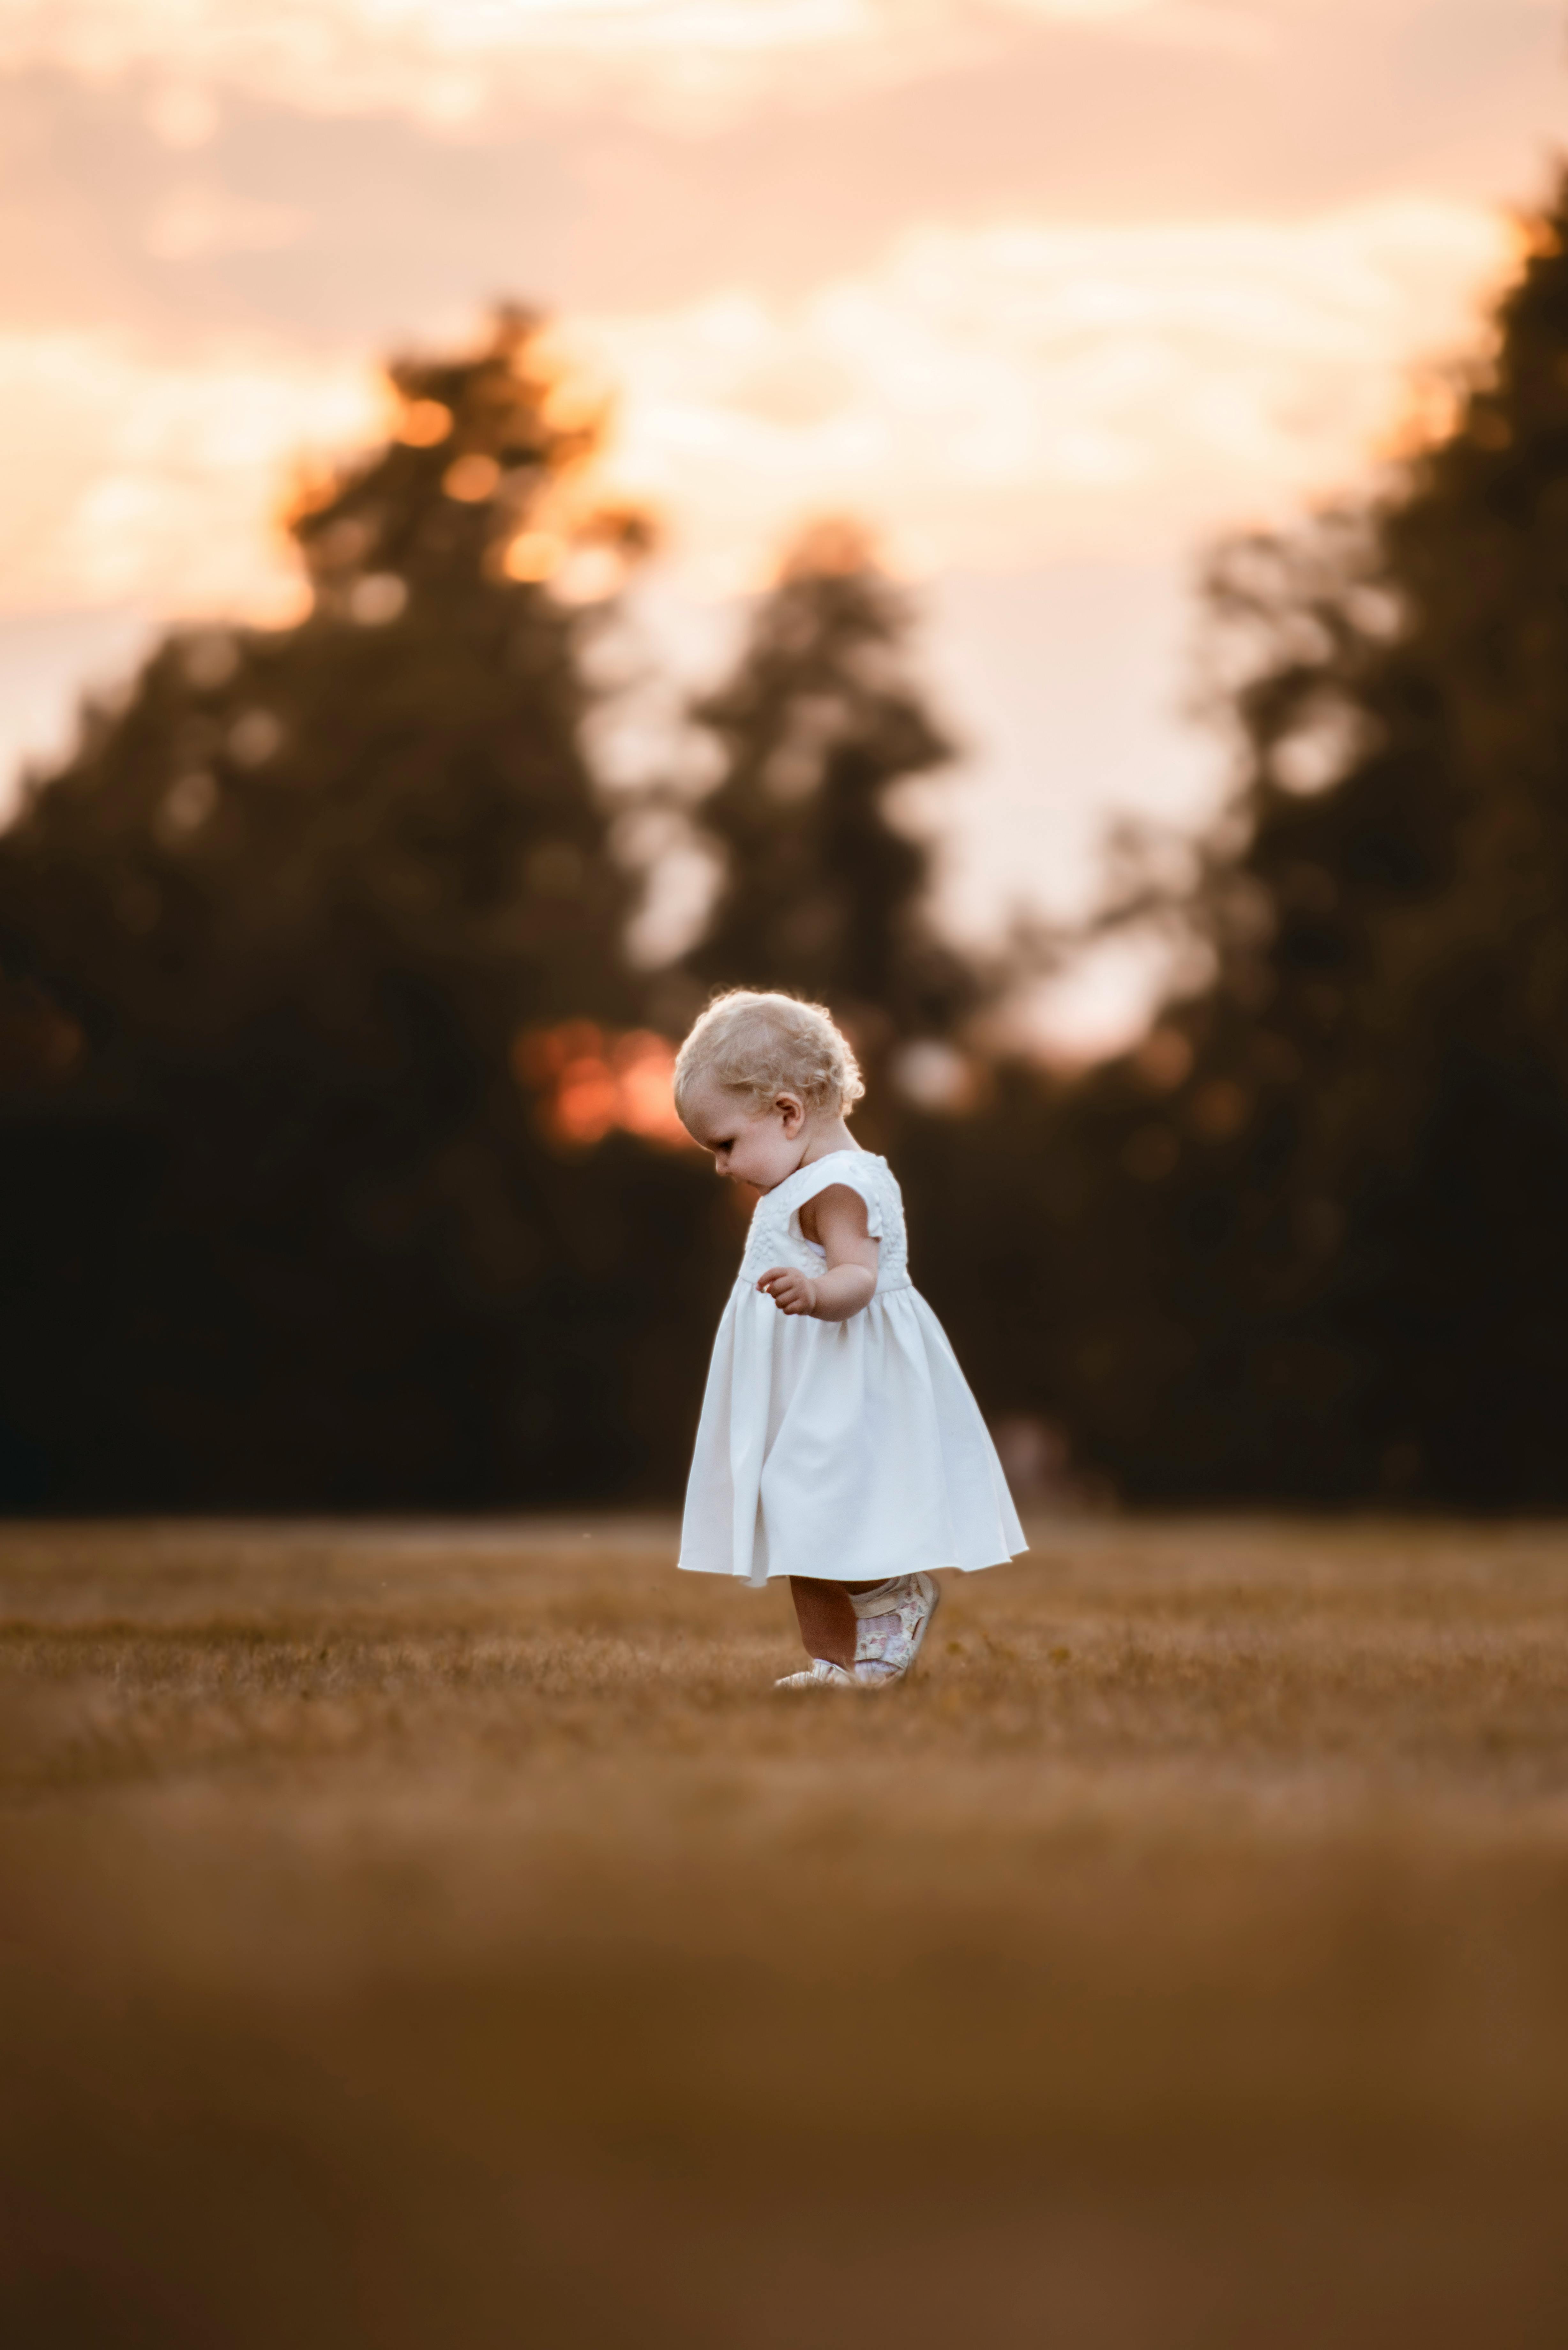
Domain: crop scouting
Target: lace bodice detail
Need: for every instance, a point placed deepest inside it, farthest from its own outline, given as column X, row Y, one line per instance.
column 776, row 1236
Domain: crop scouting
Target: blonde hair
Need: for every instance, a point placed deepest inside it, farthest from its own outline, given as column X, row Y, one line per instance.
column 761, row 1045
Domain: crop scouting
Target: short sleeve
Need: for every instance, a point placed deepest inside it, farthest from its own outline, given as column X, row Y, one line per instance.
column 841, row 1168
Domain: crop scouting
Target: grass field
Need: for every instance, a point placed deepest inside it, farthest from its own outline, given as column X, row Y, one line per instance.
column 428, row 1935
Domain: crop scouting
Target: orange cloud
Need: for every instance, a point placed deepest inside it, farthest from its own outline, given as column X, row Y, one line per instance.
column 996, row 396
column 1018, row 391
column 445, row 60
column 128, row 477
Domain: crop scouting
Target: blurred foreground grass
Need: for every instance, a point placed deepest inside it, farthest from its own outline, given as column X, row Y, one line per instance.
column 444, row 1935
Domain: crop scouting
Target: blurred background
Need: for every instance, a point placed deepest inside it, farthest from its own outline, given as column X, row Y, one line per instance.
column 1041, row 521
column 1045, row 523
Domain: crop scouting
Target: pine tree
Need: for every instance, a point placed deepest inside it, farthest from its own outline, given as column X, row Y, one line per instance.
column 1331, row 1184
column 823, row 892
column 399, row 775
column 296, row 899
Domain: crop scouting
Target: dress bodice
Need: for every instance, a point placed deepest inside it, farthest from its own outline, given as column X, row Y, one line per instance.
column 775, row 1237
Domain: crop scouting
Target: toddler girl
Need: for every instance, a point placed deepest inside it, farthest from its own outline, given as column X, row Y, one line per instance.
column 839, row 1443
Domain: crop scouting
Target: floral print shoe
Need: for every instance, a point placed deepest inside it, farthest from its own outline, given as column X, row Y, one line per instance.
column 894, row 1619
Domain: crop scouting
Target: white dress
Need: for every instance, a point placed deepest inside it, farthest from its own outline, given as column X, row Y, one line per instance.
column 848, row 1451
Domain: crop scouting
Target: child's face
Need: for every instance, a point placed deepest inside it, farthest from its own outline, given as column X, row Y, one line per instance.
column 749, row 1145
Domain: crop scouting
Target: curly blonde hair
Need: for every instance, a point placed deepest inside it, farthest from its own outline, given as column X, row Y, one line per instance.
column 762, row 1044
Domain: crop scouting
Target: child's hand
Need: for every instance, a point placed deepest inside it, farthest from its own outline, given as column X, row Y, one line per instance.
column 791, row 1292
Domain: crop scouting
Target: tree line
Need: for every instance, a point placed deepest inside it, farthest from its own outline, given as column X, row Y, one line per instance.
column 335, row 1169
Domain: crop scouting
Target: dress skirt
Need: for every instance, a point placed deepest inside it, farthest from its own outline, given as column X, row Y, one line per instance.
column 847, row 1450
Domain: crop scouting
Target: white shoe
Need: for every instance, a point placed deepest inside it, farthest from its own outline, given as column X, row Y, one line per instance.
column 826, row 1675
column 893, row 1621
column 831, row 1677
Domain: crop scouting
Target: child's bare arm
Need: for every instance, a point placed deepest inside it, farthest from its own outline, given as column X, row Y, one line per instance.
column 836, row 1220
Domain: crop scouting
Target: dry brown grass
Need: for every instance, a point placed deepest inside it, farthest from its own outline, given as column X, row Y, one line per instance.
column 421, row 1935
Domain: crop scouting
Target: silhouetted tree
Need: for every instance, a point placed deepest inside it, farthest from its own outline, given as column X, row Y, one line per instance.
column 1328, row 1194
column 825, row 891
column 286, row 1227
column 822, row 890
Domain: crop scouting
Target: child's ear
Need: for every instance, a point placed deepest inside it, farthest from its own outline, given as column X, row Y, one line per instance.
column 792, row 1109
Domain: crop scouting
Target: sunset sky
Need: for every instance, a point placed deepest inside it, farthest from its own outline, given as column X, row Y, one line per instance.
column 1049, row 290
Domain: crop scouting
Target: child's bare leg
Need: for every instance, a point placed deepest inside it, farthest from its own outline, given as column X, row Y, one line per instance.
column 826, row 1620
